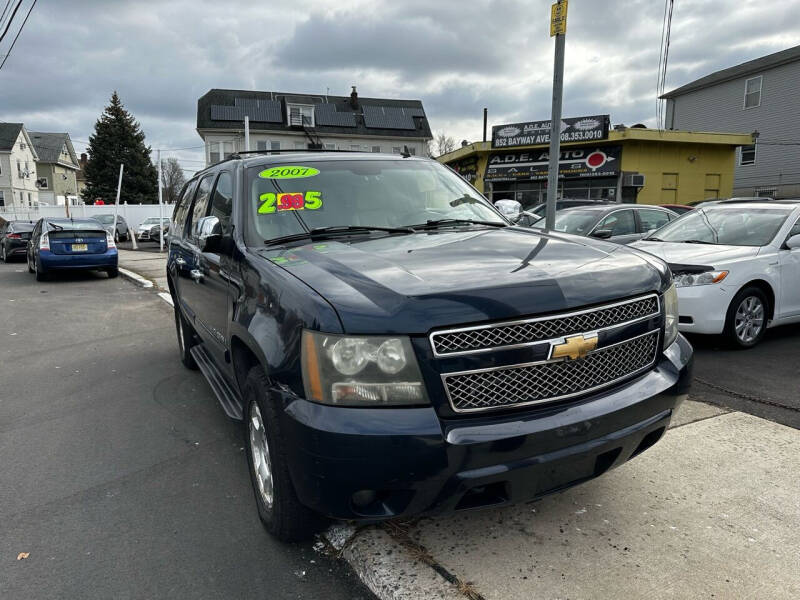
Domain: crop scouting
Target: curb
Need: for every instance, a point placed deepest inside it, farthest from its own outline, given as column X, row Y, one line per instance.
column 136, row 278
column 391, row 569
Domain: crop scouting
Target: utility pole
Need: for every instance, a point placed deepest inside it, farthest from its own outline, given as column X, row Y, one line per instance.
column 116, row 204
column 558, row 29
column 246, row 133
column 160, row 208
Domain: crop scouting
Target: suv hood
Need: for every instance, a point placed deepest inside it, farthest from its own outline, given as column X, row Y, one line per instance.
column 413, row 283
column 696, row 254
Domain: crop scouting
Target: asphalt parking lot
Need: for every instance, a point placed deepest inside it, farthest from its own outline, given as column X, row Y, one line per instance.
column 121, row 477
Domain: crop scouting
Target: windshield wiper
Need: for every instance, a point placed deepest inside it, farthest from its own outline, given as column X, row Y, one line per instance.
column 56, row 227
column 698, row 242
column 319, row 233
column 435, row 224
column 653, row 239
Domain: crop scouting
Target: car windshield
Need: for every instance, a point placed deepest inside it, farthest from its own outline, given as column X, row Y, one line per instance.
column 578, row 222
column 105, row 219
column 305, row 195
column 740, row 226
column 153, row 221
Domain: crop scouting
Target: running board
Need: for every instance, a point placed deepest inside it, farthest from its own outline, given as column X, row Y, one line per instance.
column 226, row 395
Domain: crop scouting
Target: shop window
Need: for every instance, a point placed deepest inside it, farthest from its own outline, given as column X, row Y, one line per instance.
column 747, row 155
column 752, row 92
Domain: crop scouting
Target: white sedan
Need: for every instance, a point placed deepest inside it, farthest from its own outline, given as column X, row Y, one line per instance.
column 736, row 267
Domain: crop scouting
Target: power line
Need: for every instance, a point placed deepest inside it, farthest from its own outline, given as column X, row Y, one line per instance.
column 3, row 14
column 18, row 32
column 10, row 20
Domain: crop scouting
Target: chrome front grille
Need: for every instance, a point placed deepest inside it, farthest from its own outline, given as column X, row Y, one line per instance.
column 547, row 381
column 483, row 338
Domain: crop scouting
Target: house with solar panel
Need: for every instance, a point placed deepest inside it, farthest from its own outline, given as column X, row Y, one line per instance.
column 281, row 121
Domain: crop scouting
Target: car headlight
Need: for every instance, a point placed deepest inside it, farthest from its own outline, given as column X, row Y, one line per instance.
column 670, row 299
column 348, row 370
column 707, row 278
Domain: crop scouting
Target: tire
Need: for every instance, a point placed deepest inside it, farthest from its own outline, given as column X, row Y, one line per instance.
column 41, row 274
column 3, row 254
column 746, row 320
column 28, row 260
column 116, row 237
column 279, row 509
column 186, row 339
column 112, row 272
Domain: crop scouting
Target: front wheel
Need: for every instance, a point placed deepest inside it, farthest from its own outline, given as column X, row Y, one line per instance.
column 278, row 506
column 746, row 321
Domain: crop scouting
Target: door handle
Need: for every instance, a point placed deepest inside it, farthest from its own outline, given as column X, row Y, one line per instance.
column 180, row 262
column 196, row 274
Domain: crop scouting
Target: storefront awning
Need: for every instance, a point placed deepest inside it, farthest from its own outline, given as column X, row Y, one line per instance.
column 601, row 161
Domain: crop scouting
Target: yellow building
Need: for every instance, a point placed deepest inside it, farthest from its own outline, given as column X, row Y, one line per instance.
column 629, row 164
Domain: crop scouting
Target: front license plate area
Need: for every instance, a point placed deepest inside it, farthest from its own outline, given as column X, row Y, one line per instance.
column 79, row 247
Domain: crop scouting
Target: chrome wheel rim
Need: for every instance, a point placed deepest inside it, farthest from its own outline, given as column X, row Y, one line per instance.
column 749, row 320
column 259, row 450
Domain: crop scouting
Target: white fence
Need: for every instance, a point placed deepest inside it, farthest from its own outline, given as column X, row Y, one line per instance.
column 133, row 214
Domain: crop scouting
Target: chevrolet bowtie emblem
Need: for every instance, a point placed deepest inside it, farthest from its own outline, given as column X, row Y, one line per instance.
column 574, row 347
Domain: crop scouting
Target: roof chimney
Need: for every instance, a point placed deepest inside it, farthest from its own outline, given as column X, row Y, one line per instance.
column 354, row 98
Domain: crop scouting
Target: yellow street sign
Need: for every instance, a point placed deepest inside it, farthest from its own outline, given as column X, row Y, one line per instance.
column 558, row 18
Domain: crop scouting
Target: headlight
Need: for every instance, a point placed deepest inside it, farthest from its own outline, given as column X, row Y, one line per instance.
column 670, row 299
column 707, row 278
column 348, row 370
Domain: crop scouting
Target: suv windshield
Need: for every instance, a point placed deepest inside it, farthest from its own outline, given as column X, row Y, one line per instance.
column 305, row 195
column 742, row 226
column 153, row 221
column 105, row 219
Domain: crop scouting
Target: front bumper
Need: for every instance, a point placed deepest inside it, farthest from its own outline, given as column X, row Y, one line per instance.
column 703, row 308
column 410, row 461
column 48, row 260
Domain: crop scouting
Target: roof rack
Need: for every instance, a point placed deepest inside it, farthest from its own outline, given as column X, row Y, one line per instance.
column 239, row 154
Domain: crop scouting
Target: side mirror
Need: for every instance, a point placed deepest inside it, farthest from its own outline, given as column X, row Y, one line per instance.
column 602, row 234
column 793, row 242
column 509, row 208
column 209, row 234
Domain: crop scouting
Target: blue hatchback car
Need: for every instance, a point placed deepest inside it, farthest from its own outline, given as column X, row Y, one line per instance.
column 60, row 244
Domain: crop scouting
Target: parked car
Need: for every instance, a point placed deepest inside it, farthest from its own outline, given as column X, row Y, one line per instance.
column 122, row 233
column 14, row 236
column 735, row 200
column 736, row 267
column 149, row 229
column 540, row 209
column 679, row 209
column 619, row 223
column 61, row 244
column 395, row 347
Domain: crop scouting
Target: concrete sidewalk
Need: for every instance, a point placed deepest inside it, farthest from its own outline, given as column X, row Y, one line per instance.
column 151, row 266
column 711, row 511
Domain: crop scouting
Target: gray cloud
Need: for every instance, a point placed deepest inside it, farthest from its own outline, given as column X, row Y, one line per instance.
column 457, row 57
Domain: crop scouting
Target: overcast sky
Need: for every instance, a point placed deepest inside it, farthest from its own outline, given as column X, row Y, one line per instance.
column 455, row 56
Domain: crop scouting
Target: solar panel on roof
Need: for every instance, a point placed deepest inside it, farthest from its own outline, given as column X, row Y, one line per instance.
column 326, row 114
column 268, row 111
column 388, row 117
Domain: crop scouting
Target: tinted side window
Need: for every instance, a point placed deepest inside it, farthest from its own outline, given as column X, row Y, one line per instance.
column 222, row 202
column 182, row 208
column 620, row 223
column 200, row 207
column 796, row 229
column 653, row 219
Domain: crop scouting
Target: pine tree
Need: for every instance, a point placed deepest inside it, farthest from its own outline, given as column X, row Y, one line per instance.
column 118, row 138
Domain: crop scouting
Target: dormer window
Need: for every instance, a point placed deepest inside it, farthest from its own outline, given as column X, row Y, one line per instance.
column 300, row 115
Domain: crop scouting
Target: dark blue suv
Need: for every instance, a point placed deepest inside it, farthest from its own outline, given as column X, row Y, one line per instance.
column 396, row 347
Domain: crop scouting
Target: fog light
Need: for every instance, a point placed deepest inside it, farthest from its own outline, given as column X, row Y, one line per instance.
column 364, row 498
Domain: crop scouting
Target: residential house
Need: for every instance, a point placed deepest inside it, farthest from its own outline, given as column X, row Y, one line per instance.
column 17, row 168
column 80, row 176
column 56, row 169
column 281, row 121
column 758, row 96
